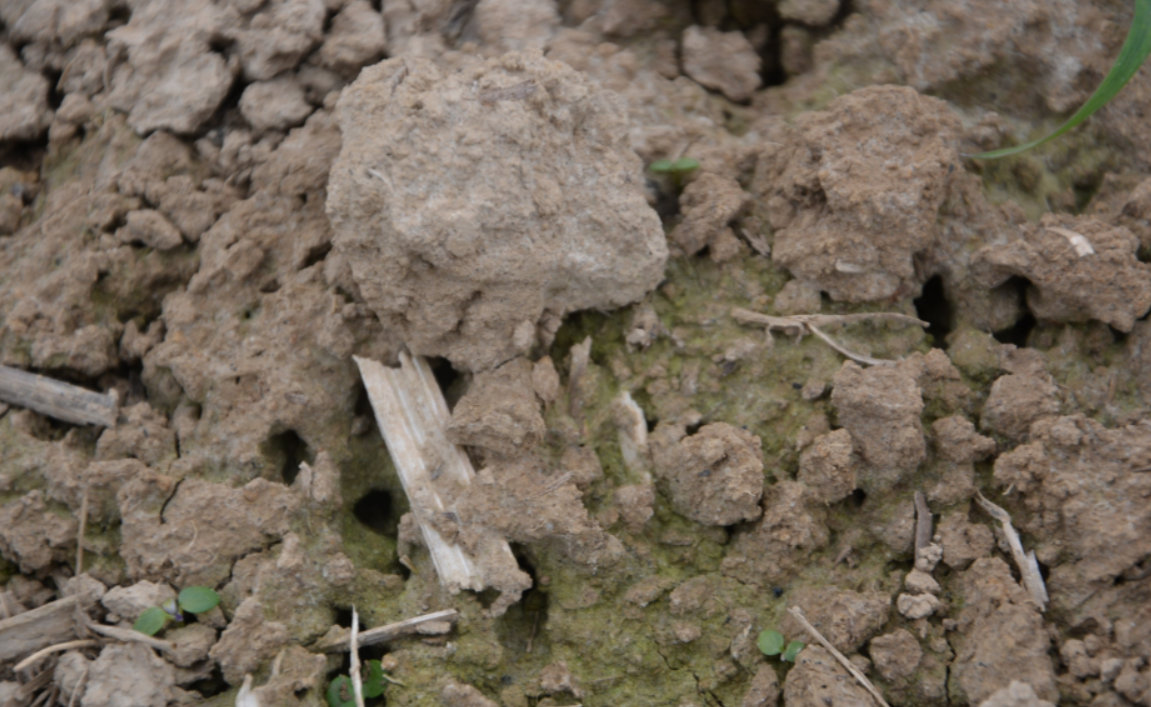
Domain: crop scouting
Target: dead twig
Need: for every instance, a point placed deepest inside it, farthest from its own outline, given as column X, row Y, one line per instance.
column 1025, row 561
column 388, row 632
column 799, row 325
column 354, row 660
column 855, row 673
column 57, row 648
column 57, row 399
column 129, row 636
column 80, row 532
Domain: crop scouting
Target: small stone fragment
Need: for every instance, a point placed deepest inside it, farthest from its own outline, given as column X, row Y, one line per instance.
column 356, row 38
column 516, row 25
column 499, row 413
column 763, row 690
column 896, row 655
column 827, row 467
column 24, row 112
column 715, row 476
column 151, row 228
column 277, row 104
column 963, row 541
column 1017, row 694
column 957, row 441
column 129, row 674
column 1015, row 401
column 724, row 61
column 817, row 679
column 814, row 13
column 880, row 406
column 916, row 606
column 708, row 204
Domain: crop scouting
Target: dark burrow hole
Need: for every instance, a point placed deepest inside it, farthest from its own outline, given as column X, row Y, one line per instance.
column 932, row 307
column 1018, row 332
column 214, row 684
column 289, row 449
column 449, row 379
column 522, row 630
column 666, row 200
column 858, row 496
column 376, row 511
column 315, row 254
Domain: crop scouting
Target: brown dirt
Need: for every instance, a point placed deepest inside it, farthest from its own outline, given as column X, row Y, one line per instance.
column 208, row 208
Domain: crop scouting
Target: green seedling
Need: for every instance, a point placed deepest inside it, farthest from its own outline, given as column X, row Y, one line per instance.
column 771, row 642
column 194, row 600
column 1131, row 56
column 677, row 170
column 374, row 680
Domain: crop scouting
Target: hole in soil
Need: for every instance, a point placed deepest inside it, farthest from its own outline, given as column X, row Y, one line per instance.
column 666, row 201
column 522, row 629
column 858, row 496
column 449, row 379
column 212, row 685
column 932, row 307
column 316, row 254
column 694, row 427
column 270, row 286
column 288, row 449
column 376, row 510
column 1018, row 332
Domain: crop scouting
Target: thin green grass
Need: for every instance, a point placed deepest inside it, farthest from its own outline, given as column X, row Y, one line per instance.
column 1134, row 52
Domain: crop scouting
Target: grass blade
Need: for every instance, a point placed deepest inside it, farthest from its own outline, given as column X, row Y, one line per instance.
column 1135, row 50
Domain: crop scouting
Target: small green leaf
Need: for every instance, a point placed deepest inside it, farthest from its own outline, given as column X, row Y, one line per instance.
column 198, row 599
column 681, row 166
column 373, row 679
column 151, row 621
column 792, row 650
column 340, row 692
column 770, row 642
column 1131, row 56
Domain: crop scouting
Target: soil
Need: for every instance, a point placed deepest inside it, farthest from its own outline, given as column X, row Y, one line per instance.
column 207, row 208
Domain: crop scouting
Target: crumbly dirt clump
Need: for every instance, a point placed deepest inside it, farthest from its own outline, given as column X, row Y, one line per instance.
column 464, row 205
column 853, row 192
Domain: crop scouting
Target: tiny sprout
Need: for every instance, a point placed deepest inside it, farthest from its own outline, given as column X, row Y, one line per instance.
column 194, row 600
column 675, row 170
column 339, row 692
column 771, row 642
column 682, row 166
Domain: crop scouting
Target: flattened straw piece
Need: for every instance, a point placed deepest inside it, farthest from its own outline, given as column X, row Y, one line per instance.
column 922, row 524
column 847, row 664
column 1026, row 562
